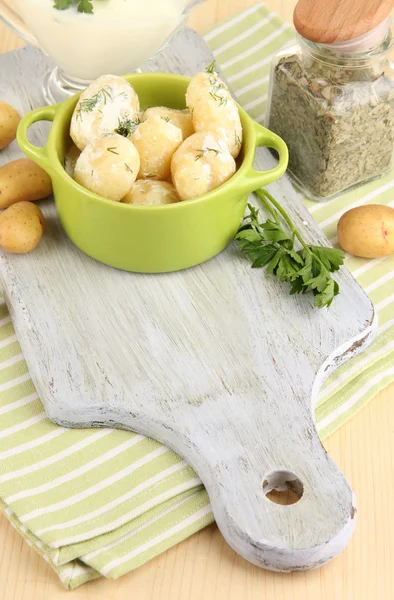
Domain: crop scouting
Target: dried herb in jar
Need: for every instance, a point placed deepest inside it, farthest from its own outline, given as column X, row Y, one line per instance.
column 336, row 115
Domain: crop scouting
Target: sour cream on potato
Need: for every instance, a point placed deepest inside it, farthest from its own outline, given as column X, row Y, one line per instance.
column 156, row 141
column 179, row 118
column 107, row 104
column 213, row 109
column 108, row 166
column 201, row 164
column 147, row 192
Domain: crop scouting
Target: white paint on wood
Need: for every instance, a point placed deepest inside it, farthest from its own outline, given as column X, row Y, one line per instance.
column 217, row 362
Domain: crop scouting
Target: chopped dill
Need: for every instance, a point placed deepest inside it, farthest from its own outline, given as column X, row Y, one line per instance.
column 212, row 68
column 89, row 104
column 217, row 87
column 126, row 126
column 204, row 151
column 113, row 150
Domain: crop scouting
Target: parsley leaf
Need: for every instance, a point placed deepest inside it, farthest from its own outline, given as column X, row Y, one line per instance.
column 84, row 6
column 62, row 4
column 271, row 244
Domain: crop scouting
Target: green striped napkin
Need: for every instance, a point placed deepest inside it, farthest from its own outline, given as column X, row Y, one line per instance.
column 103, row 502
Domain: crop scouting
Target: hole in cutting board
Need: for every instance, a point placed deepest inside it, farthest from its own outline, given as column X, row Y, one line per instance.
column 283, row 487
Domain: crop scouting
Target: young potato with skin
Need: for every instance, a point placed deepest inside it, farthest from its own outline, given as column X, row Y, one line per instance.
column 21, row 228
column 179, row 118
column 367, row 231
column 156, row 141
column 21, row 180
column 148, row 192
column 108, row 166
column 9, row 121
column 108, row 103
column 213, row 109
column 201, row 165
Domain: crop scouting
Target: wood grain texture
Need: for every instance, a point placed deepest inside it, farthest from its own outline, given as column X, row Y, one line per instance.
column 204, row 567
column 224, row 366
column 329, row 21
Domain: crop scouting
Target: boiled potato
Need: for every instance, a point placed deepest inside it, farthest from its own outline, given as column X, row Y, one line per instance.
column 367, row 231
column 156, row 141
column 21, row 227
column 23, row 179
column 213, row 109
column 201, row 164
column 179, row 118
column 108, row 166
column 70, row 160
column 149, row 192
column 9, row 121
column 107, row 105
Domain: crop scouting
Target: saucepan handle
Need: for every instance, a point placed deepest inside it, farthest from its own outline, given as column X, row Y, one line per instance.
column 257, row 179
column 39, row 155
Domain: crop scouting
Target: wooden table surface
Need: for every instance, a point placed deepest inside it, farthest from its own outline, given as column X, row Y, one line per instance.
column 204, row 567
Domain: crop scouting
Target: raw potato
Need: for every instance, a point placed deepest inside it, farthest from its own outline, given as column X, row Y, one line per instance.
column 21, row 228
column 201, row 164
column 107, row 104
column 367, row 231
column 156, row 141
column 21, row 180
column 148, row 192
column 108, row 166
column 179, row 118
column 9, row 121
column 213, row 109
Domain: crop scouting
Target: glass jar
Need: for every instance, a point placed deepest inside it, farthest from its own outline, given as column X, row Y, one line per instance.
column 333, row 104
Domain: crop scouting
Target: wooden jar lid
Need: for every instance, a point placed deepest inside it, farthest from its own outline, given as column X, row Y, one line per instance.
column 331, row 21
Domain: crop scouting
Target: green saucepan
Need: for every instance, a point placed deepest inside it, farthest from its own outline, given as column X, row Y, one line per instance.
column 150, row 239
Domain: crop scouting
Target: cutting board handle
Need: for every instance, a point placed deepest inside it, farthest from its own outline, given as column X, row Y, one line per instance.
column 287, row 455
column 39, row 155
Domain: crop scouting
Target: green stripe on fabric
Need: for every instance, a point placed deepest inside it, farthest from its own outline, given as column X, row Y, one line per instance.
column 193, row 515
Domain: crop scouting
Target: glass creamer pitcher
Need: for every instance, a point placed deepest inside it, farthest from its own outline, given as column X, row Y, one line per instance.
column 117, row 37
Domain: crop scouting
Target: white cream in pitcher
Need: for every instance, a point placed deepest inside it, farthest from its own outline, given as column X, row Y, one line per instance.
column 118, row 37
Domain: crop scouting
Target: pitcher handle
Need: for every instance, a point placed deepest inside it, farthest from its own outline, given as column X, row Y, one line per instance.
column 14, row 22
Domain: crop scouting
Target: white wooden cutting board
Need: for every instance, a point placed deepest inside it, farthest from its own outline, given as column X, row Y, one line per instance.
column 217, row 362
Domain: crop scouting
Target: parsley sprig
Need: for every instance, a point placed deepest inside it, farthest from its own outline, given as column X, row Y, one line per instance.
column 84, row 6
column 271, row 244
